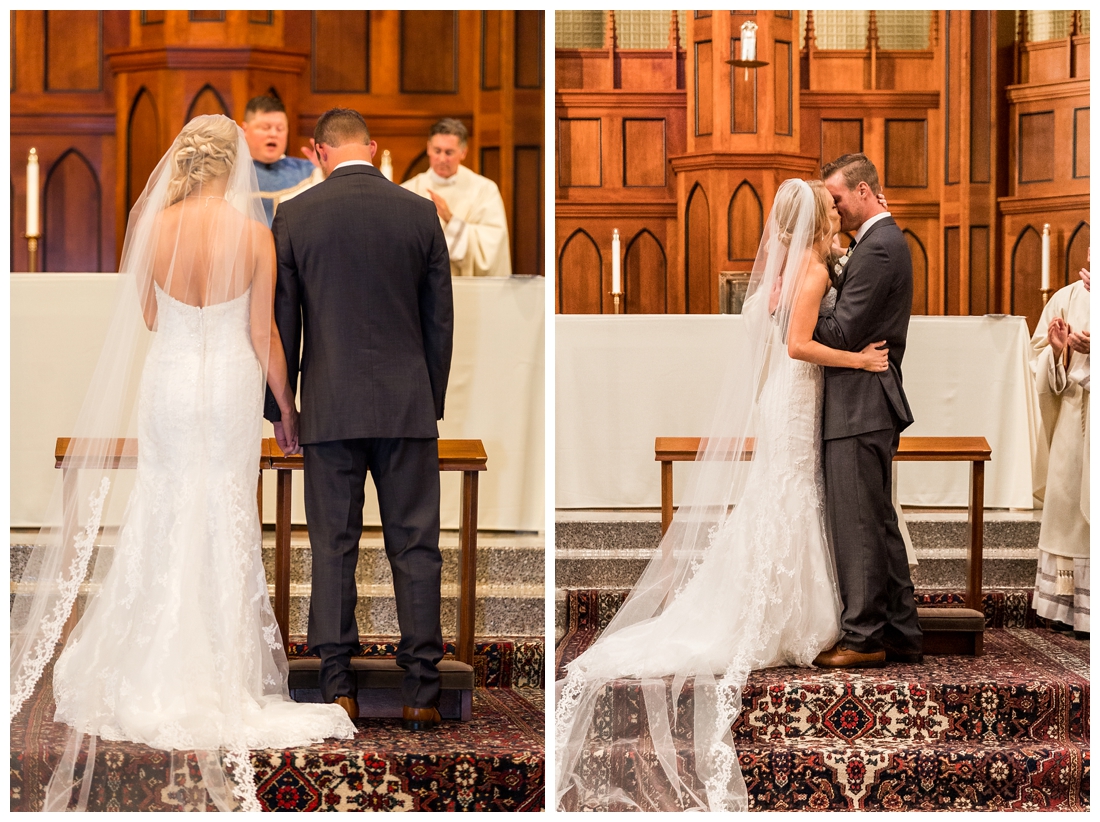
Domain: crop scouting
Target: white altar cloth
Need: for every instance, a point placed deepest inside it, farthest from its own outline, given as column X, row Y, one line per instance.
column 496, row 392
column 622, row 381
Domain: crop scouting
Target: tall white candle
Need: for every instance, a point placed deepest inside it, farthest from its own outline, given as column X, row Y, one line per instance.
column 386, row 166
column 748, row 41
column 616, row 274
column 32, row 194
column 1046, row 256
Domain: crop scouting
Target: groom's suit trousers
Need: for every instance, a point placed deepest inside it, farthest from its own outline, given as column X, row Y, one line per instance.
column 406, row 475
column 871, row 564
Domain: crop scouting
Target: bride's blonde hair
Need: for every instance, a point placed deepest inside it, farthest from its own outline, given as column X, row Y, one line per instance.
column 786, row 210
column 205, row 150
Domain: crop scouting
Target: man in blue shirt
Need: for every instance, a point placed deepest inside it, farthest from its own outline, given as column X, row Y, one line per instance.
column 266, row 130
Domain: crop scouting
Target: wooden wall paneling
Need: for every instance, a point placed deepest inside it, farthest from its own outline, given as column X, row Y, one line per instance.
column 906, row 154
column 529, row 43
column 743, row 102
column 579, row 152
column 340, row 51
column 490, row 164
column 142, row 144
column 1036, row 147
column 491, row 46
column 784, row 88
column 261, row 18
column 840, row 137
column 152, row 17
column 429, row 52
column 704, row 88
column 980, row 281
column 699, row 272
column 580, row 275
column 952, row 270
column 952, row 98
column 527, row 228
column 208, row 101
column 745, row 224
column 71, row 205
column 74, row 50
column 1026, row 264
column 644, row 152
column 206, row 16
column 1077, row 248
column 919, row 258
column 1081, row 132
column 981, row 96
column 645, row 275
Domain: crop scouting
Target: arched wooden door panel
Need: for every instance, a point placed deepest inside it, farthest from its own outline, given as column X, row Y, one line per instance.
column 580, row 275
column 72, row 203
column 698, row 270
column 645, row 275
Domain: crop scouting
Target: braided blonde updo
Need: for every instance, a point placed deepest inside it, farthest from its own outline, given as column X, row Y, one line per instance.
column 204, row 151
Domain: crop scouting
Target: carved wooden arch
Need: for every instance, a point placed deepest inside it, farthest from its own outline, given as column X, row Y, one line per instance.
column 1077, row 250
column 645, row 275
column 206, row 101
column 918, row 251
column 744, row 223
column 143, row 149
column 417, row 166
column 580, row 275
column 697, row 251
column 1026, row 253
column 72, row 206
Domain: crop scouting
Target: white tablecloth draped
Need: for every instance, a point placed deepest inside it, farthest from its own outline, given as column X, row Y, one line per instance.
column 622, row 381
column 496, row 391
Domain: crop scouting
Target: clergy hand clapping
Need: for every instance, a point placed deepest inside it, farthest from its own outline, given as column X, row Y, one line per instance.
column 441, row 207
column 1078, row 342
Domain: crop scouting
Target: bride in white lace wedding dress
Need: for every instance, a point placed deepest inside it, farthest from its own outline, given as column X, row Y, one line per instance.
column 743, row 579
column 179, row 648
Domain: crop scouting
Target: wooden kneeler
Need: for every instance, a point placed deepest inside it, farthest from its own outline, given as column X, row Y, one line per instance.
column 947, row 630
column 381, row 676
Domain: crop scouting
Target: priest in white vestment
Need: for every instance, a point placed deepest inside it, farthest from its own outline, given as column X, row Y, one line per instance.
column 1060, row 360
column 470, row 207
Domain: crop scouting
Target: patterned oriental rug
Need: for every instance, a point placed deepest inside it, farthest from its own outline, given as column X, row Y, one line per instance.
column 495, row 762
column 1005, row 731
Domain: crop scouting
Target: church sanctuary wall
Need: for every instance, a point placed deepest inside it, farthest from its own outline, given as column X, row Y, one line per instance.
column 963, row 112
column 100, row 95
column 59, row 321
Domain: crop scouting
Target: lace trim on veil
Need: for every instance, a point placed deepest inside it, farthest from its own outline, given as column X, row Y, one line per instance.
column 69, row 588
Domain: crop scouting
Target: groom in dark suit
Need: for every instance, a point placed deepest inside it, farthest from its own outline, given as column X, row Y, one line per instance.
column 364, row 281
column 865, row 413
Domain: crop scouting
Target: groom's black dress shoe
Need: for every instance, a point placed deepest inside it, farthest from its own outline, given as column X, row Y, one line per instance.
column 419, row 719
column 838, row 657
column 349, row 704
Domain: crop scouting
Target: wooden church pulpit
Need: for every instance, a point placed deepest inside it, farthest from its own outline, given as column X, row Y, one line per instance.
column 379, row 675
column 947, row 630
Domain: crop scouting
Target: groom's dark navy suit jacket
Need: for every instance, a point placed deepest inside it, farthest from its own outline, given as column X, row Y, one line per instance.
column 873, row 303
column 365, row 281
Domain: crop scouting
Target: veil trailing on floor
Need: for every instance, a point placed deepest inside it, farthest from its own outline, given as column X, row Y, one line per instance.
column 197, row 234
column 643, row 717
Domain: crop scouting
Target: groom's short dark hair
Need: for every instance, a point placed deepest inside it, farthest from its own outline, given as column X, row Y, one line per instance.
column 856, row 169
column 339, row 126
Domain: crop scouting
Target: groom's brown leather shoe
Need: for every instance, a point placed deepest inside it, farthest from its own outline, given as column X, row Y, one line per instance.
column 419, row 719
column 349, row 704
column 838, row 657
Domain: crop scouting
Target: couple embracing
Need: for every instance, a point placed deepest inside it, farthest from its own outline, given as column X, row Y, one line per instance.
column 178, row 648
column 785, row 549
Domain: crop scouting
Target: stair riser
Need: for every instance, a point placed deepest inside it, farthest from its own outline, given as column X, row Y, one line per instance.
column 840, row 778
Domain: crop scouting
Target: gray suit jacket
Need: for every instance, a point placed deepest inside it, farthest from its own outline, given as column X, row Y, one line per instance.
column 364, row 281
column 874, row 300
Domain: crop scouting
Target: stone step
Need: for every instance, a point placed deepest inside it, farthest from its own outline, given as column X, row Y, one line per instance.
column 510, row 582
column 612, row 551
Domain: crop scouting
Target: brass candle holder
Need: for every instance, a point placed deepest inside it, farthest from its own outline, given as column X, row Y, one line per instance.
column 616, row 295
column 32, row 253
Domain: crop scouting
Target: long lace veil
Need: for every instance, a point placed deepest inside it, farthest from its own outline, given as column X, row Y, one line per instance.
column 197, row 233
column 632, row 732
